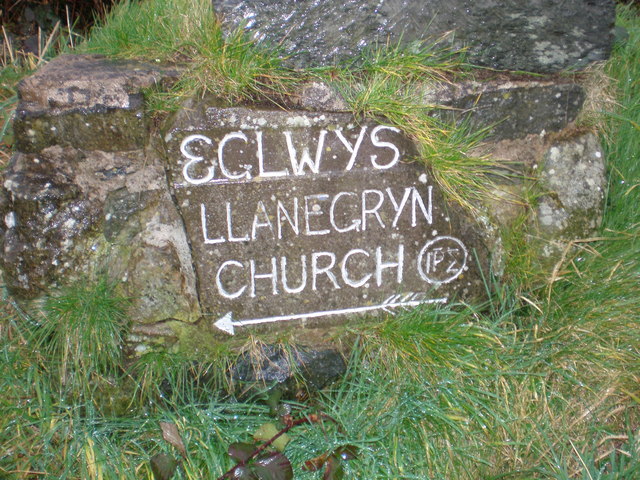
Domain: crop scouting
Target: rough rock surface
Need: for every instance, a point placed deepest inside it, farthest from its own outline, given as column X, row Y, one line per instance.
column 574, row 181
column 64, row 84
column 55, row 205
column 71, row 213
column 536, row 35
column 504, row 107
column 365, row 220
column 83, row 196
column 86, row 102
column 509, row 109
column 319, row 96
column 272, row 365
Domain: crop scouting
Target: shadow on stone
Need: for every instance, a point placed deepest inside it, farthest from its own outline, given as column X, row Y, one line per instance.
column 287, row 369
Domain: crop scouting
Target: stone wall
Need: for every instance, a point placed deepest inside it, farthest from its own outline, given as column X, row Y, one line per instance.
column 239, row 220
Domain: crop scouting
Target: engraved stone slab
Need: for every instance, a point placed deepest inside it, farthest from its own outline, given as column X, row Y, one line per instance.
column 298, row 217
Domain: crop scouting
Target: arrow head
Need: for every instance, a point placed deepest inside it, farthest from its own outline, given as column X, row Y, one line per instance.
column 225, row 323
column 391, row 299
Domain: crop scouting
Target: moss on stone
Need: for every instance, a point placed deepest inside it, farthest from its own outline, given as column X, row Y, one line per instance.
column 107, row 130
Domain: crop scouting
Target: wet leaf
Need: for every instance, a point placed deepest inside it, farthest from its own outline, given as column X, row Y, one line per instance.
column 267, row 431
column 163, row 466
column 170, row 434
column 316, row 463
column 243, row 473
column 346, row 452
column 241, row 451
column 342, row 453
column 273, row 466
column 333, row 469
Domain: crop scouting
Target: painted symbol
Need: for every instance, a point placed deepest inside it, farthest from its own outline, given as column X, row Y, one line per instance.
column 227, row 324
column 442, row 260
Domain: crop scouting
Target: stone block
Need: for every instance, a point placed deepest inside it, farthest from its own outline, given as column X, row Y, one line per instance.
column 508, row 109
column 86, row 102
column 573, row 180
column 72, row 82
column 277, row 367
column 291, row 223
column 537, row 35
column 107, row 130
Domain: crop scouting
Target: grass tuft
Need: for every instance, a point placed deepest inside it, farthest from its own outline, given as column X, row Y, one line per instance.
column 390, row 85
column 187, row 32
column 81, row 334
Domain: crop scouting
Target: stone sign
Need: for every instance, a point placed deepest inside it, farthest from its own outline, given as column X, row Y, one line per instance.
column 294, row 216
column 251, row 221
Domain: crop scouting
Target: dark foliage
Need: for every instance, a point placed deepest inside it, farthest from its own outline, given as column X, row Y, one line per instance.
column 256, row 461
column 24, row 17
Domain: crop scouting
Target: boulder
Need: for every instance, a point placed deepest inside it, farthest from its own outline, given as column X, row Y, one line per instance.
column 541, row 36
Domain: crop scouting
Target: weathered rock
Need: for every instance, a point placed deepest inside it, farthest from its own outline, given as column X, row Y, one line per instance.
column 95, row 201
column 509, row 109
column 574, row 181
column 72, row 82
column 107, row 130
column 52, row 208
column 537, row 35
column 4, row 208
column 144, row 336
column 506, row 204
column 319, row 97
column 71, row 213
column 62, row 105
column 506, row 107
column 275, row 366
column 154, row 263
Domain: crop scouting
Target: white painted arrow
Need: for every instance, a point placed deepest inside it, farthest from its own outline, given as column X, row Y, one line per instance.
column 227, row 324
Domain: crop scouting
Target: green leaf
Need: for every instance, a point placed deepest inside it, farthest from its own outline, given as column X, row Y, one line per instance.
column 241, row 451
column 273, row 466
column 163, row 466
column 273, row 399
column 267, row 431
